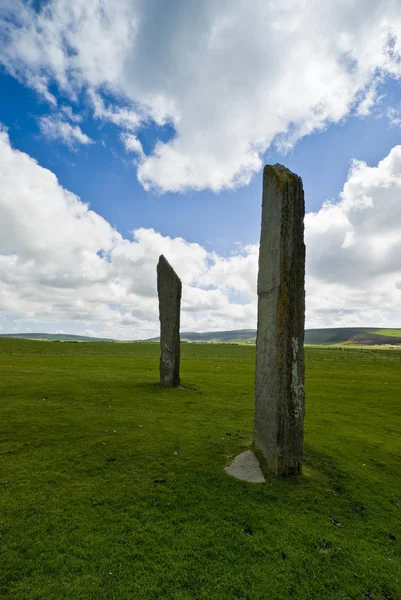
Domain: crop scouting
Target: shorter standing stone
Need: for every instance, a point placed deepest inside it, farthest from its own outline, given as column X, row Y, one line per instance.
column 169, row 292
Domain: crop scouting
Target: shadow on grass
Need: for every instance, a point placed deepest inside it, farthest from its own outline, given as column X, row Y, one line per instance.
column 148, row 388
column 326, row 465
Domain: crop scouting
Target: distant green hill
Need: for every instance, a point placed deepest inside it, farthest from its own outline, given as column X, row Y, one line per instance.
column 359, row 336
column 55, row 337
column 234, row 336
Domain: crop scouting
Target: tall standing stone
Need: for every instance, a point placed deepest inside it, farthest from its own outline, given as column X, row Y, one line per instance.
column 279, row 381
column 169, row 292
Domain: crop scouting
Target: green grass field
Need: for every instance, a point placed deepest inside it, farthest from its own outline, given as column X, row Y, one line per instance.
column 389, row 332
column 85, row 432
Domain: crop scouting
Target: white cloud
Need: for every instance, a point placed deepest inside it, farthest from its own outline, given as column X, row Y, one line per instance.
column 354, row 249
column 394, row 116
column 132, row 144
column 129, row 119
column 60, row 262
column 63, row 266
column 54, row 127
column 370, row 98
column 70, row 115
column 231, row 79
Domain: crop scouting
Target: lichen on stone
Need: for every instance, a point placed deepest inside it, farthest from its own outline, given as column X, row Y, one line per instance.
column 280, row 175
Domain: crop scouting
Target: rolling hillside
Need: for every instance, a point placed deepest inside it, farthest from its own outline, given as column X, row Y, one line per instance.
column 350, row 336
column 55, row 337
column 359, row 336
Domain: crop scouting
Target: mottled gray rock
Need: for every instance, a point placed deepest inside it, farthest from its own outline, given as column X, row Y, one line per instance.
column 279, row 380
column 246, row 467
column 169, row 292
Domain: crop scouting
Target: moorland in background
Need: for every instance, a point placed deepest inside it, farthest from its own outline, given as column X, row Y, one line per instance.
column 352, row 336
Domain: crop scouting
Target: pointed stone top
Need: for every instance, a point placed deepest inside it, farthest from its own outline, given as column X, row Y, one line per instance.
column 280, row 174
column 163, row 261
column 165, row 266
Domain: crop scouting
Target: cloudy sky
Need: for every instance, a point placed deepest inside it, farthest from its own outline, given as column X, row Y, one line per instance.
column 131, row 128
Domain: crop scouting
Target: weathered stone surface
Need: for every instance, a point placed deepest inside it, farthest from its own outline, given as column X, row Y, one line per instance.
column 246, row 466
column 279, row 380
column 169, row 292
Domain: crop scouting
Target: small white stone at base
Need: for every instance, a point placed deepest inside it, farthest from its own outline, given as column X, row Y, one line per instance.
column 246, row 467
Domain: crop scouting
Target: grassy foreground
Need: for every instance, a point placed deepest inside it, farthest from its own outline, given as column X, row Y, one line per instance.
column 113, row 488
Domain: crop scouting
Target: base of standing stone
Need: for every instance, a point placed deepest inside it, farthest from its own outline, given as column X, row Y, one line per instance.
column 246, row 467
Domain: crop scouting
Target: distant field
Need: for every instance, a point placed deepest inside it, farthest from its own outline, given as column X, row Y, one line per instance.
column 113, row 488
column 63, row 337
column 346, row 336
column 389, row 332
column 352, row 336
column 225, row 351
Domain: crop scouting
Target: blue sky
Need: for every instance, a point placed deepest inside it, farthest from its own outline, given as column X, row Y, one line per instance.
column 169, row 139
column 103, row 175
